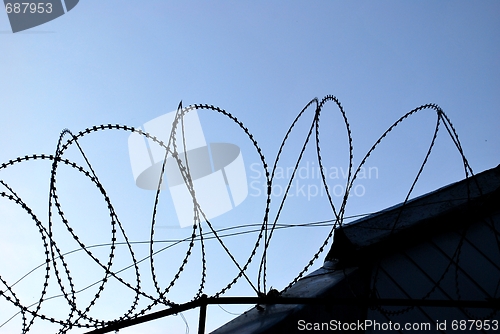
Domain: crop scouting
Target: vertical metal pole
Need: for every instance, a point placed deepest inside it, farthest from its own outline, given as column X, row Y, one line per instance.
column 203, row 314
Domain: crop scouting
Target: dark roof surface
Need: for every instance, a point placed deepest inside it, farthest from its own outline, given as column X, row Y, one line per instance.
column 450, row 207
column 443, row 209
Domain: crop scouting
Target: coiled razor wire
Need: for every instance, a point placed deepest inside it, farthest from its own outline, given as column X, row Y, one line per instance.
column 55, row 261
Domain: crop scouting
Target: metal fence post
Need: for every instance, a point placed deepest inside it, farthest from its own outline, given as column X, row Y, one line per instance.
column 203, row 314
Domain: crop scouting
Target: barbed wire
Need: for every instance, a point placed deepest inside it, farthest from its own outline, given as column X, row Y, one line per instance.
column 57, row 265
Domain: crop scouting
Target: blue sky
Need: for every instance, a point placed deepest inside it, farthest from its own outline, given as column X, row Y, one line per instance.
column 127, row 62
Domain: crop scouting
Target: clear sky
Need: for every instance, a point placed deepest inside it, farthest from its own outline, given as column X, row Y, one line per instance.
column 129, row 62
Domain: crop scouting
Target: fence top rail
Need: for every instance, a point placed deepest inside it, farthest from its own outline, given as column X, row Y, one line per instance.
column 267, row 300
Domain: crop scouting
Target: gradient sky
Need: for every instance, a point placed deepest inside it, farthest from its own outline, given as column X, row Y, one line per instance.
column 128, row 62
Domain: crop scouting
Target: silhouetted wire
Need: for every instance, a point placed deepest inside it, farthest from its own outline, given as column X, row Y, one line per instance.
column 325, row 223
column 436, row 284
column 78, row 315
column 322, row 223
column 185, row 321
column 223, row 309
column 174, row 242
column 338, row 216
column 267, row 238
column 188, row 181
